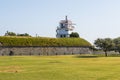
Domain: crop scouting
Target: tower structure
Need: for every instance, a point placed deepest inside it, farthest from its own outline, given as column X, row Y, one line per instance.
column 65, row 28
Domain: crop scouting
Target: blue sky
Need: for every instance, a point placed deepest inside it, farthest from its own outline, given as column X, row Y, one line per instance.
column 93, row 18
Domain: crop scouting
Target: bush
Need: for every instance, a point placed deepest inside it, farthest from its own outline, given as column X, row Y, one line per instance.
column 74, row 34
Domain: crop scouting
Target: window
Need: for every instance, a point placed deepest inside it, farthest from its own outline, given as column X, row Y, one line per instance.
column 61, row 25
column 66, row 30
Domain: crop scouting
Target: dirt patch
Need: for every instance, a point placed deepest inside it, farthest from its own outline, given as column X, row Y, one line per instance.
column 11, row 69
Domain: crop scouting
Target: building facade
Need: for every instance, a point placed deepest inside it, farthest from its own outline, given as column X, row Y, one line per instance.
column 64, row 29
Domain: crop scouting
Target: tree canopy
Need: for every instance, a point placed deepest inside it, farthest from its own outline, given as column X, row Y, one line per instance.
column 10, row 33
column 74, row 34
column 14, row 34
column 117, row 44
column 105, row 44
column 25, row 34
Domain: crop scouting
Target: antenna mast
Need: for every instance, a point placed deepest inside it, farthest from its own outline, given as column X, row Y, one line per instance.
column 66, row 19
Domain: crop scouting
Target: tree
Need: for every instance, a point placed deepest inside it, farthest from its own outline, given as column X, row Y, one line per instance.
column 25, row 34
column 14, row 34
column 104, row 44
column 10, row 33
column 74, row 34
column 117, row 44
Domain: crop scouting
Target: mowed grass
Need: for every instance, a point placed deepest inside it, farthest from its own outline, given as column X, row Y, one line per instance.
column 59, row 68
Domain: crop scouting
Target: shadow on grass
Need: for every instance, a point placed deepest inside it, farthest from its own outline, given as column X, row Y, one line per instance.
column 114, row 55
column 97, row 55
column 86, row 56
column 55, row 62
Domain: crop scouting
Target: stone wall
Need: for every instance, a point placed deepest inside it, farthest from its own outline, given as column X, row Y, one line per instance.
column 43, row 50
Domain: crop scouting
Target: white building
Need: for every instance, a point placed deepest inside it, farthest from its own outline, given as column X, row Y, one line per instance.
column 65, row 28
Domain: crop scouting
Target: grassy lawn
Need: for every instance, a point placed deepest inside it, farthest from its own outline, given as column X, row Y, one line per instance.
column 59, row 68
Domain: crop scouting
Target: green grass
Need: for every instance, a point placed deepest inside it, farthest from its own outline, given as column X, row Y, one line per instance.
column 59, row 68
column 40, row 41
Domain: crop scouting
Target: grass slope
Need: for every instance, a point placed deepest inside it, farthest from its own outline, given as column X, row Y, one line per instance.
column 38, row 41
column 59, row 68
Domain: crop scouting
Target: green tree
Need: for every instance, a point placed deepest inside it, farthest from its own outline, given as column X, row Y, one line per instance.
column 117, row 44
column 25, row 34
column 74, row 34
column 104, row 44
column 10, row 33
